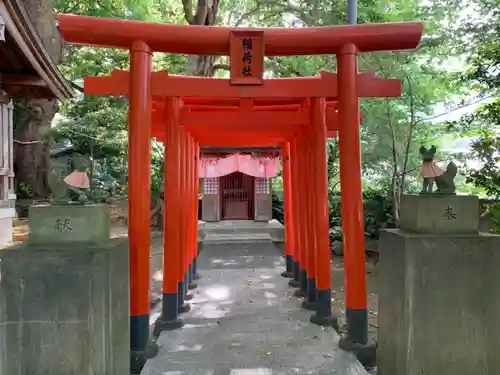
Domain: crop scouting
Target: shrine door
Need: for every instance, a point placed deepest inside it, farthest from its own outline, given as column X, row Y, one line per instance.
column 237, row 196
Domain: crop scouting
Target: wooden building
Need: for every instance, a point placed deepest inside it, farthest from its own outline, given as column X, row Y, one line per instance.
column 236, row 195
column 26, row 71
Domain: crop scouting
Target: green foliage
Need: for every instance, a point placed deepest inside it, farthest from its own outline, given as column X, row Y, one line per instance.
column 24, row 191
column 278, row 205
column 157, row 170
column 494, row 212
column 483, row 76
column 377, row 207
column 97, row 126
column 487, row 176
column 392, row 129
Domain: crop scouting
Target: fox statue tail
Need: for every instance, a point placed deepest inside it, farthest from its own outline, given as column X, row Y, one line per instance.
column 452, row 169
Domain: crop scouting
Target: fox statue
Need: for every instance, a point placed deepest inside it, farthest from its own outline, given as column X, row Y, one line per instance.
column 432, row 174
column 70, row 188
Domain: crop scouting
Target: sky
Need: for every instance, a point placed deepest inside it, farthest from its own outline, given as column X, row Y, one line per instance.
column 461, row 145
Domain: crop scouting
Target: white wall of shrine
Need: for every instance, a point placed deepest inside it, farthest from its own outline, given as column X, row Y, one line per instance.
column 7, row 196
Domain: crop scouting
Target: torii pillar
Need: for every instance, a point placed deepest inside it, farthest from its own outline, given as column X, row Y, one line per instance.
column 139, row 161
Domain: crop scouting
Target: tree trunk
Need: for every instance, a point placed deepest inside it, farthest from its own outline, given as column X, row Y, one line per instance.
column 201, row 66
column 205, row 15
column 396, row 196
column 31, row 154
column 33, row 117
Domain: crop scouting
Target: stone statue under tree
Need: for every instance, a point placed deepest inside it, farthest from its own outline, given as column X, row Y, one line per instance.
column 432, row 174
column 68, row 188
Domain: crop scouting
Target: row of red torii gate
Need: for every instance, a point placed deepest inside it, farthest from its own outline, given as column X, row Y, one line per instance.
column 244, row 111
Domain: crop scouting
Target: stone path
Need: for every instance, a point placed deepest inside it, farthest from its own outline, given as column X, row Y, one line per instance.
column 244, row 320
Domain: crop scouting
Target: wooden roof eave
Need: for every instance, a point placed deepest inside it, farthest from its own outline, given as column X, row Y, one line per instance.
column 215, row 149
column 18, row 24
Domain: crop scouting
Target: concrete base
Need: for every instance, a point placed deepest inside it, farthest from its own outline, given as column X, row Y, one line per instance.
column 439, row 304
column 325, row 321
column 6, row 216
column 166, row 325
column 184, row 308
column 65, row 310
column 139, row 359
column 309, row 305
column 300, row 293
column 366, row 354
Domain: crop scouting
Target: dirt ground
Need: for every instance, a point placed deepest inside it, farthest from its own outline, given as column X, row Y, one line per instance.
column 20, row 230
column 338, row 293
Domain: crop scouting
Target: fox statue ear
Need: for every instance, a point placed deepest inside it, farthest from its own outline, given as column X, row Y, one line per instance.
column 433, row 149
column 422, row 150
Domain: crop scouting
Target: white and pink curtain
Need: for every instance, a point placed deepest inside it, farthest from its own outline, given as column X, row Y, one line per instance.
column 262, row 167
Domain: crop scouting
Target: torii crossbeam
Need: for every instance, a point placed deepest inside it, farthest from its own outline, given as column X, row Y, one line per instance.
column 228, row 111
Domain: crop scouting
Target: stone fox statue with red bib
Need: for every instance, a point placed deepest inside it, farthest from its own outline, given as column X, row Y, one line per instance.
column 70, row 188
column 431, row 173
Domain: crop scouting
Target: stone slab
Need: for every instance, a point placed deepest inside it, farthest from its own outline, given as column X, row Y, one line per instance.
column 219, row 239
column 448, row 214
column 229, row 226
column 247, row 227
column 439, row 304
column 65, row 310
column 69, row 224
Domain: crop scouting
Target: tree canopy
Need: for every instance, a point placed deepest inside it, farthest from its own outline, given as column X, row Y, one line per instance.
column 459, row 54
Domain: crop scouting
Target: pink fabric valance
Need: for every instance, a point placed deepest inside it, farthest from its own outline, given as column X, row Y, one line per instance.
column 263, row 167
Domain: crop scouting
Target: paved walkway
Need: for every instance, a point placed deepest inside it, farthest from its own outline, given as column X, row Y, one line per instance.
column 245, row 321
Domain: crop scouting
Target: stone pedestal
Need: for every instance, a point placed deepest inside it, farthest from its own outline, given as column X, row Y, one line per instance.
column 277, row 231
column 439, row 300
column 64, row 296
column 450, row 214
column 69, row 224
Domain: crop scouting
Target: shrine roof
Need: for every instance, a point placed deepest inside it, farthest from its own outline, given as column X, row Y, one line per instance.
column 211, row 149
column 26, row 69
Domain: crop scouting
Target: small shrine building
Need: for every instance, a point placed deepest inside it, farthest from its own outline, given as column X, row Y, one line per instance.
column 235, row 183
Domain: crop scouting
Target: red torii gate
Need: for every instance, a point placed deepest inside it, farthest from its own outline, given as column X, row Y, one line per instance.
column 240, row 122
column 345, row 41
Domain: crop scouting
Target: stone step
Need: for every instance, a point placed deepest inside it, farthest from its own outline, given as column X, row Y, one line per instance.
column 233, row 238
column 236, row 230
